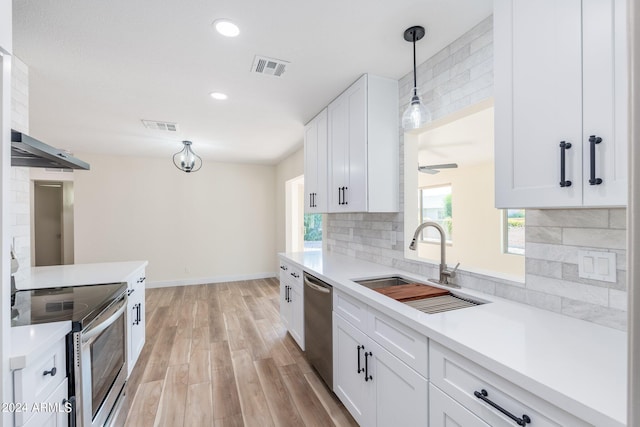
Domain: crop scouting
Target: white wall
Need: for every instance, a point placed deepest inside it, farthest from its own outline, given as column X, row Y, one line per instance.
column 213, row 225
column 287, row 169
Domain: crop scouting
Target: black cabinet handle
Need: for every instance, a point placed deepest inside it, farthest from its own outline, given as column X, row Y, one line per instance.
column 52, row 372
column 564, row 146
column 294, row 274
column 593, row 140
column 344, row 195
column 286, row 293
column 482, row 395
column 139, row 311
column 283, row 268
column 367, row 377
column 130, row 291
column 339, row 195
column 360, row 347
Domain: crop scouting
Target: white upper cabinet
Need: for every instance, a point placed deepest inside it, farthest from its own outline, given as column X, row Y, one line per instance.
column 560, row 77
column 315, row 164
column 363, row 132
column 5, row 26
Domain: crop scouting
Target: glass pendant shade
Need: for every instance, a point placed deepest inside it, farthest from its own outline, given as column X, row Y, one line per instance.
column 416, row 113
column 186, row 160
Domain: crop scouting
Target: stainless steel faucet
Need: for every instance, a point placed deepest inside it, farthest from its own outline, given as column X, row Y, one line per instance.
column 445, row 273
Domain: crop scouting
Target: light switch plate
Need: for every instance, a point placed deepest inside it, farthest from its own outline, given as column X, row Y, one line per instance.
column 597, row 265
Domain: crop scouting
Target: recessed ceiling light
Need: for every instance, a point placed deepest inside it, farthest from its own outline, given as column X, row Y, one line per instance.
column 226, row 27
column 219, row 96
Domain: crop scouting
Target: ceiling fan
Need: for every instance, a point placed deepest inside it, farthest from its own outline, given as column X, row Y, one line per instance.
column 434, row 169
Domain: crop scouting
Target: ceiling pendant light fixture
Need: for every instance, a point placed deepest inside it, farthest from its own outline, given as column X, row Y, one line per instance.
column 186, row 160
column 416, row 114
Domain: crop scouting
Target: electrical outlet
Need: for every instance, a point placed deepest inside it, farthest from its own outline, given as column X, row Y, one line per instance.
column 597, row 265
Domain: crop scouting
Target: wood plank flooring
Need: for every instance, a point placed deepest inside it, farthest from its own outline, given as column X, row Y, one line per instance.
column 218, row 355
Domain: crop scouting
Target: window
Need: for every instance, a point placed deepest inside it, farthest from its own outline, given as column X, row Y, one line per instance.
column 435, row 205
column 312, row 231
column 513, row 231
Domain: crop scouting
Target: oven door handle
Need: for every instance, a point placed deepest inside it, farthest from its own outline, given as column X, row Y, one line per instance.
column 99, row 328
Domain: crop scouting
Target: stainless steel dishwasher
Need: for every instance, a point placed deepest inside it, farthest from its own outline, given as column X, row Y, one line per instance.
column 318, row 338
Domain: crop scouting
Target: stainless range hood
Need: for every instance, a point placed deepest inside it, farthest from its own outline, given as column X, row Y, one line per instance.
column 29, row 152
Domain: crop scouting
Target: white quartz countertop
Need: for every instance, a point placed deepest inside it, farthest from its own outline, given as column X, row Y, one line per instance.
column 575, row 365
column 29, row 342
column 78, row 274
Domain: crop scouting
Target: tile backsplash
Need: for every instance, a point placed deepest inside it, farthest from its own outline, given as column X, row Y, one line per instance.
column 20, row 184
column 459, row 76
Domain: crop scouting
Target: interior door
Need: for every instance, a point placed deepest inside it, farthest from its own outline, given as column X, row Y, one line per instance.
column 48, row 223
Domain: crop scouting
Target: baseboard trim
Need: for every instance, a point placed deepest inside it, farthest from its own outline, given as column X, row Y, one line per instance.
column 205, row 280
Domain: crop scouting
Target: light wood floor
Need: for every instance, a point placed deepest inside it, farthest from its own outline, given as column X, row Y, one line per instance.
column 218, row 355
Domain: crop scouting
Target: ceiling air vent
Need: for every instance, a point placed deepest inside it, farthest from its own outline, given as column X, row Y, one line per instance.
column 162, row 126
column 269, row 66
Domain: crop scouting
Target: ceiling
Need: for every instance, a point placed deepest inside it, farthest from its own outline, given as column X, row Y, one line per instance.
column 97, row 68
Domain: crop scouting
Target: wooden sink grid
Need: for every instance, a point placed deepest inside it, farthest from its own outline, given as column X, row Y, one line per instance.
column 411, row 292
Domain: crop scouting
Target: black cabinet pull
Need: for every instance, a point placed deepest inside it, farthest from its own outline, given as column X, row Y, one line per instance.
column 294, row 274
column 52, row 372
column 367, row 377
column 482, row 395
column 360, row 347
column 593, row 140
column 344, row 195
column 286, row 293
column 340, row 195
column 564, row 146
column 139, row 312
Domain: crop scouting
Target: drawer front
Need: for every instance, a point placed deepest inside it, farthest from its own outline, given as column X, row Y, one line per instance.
column 354, row 311
column 31, row 385
column 446, row 412
column 51, row 412
column 403, row 342
column 460, row 378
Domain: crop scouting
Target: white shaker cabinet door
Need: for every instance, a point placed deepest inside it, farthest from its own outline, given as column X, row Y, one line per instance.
column 605, row 102
column 315, row 164
column 349, row 346
column 400, row 393
column 5, row 25
column 538, row 102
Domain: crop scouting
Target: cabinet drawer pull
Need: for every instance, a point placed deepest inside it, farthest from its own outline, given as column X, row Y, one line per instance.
column 593, row 140
column 344, row 195
column 52, row 372
column 367, row 377
column 360, row 347
column 340, row 195
column 482, row 395
column 564, row 146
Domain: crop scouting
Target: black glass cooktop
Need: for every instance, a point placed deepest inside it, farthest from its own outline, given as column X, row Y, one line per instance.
column 80, row 304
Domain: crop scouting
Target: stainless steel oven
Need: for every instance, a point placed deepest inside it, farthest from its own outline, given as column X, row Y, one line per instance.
column 100, row 365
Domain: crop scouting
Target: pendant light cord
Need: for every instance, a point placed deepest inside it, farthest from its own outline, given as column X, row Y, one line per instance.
column 415, row 83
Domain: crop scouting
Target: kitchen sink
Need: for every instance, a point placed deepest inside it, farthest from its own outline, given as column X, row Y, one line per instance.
column 384, row 282
column 428, row 304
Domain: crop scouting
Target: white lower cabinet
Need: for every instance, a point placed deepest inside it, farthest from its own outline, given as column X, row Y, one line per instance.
column 292, row 302
column 446, row 412
column 375, row 386
column 135, row 317
column 40, row 389
column 54, row 409
column 482, row 392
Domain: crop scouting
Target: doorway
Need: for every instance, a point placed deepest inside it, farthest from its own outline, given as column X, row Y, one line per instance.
column 52, row 223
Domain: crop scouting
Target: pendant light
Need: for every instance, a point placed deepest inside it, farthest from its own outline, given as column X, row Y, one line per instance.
column 416, row 113
column 186, row 160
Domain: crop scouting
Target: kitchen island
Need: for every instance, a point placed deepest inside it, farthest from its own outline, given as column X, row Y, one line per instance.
column 578, row 368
